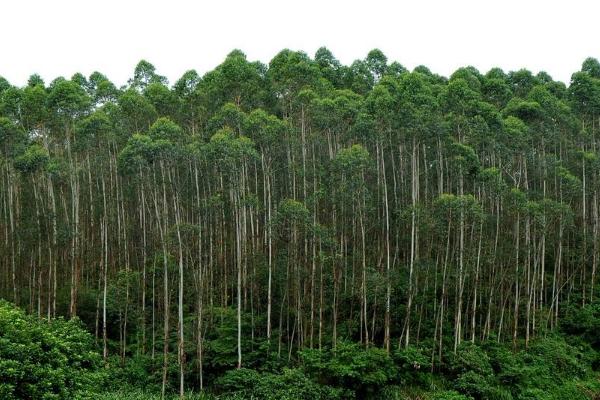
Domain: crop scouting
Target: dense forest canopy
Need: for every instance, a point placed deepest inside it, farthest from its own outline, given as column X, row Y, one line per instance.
column 259, row 211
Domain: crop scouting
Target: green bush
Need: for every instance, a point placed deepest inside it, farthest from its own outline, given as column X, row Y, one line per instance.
column 221, row 343
column 450, row 395
column 547, row 365
column 144, row 395
column 549, row 369
column 140, row 372
column 413, row 364
column 41, row 360
column 292, row 384
column 506, row 365
column 351, row 366
column 583, row 322
column 564, row 361
column 468, row 357
column 480, row 387
column 238, row 380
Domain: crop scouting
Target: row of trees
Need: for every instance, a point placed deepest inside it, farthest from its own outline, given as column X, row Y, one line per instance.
column 319, row 201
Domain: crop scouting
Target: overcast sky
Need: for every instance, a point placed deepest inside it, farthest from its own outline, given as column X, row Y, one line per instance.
column 60, row 37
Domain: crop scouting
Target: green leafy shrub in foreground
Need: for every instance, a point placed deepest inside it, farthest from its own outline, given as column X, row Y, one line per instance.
column 350, row 366
column 149, row 395
column 292, row 384
column 41, row 360
column 450, row 395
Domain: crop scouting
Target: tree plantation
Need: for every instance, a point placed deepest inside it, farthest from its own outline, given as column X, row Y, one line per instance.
column 305, row 230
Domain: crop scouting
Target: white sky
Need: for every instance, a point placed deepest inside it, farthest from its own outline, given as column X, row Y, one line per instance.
column 60, row 37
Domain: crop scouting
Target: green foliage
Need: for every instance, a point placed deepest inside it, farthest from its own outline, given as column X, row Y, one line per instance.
column 140, row 372
column 465, row 157
column 41, row 360
column 165, row 129
column 33, row 159
column 145, row 74
column 137, row 111
column 291, row 214
column 229, row 151
column 364, row 371
column 68, row 99
column 92, row 129
column 414, row 365
column 165, row 101
column 549, row 369
column 291, row 384
column 221, row 343
column 7, row 130
column 136, row 154
column 352, row 160
column 236, row 80
column 450, row 395
column 583, row 323
column 480, row 387
column 469, row 357
column 265, row 129
column 134, row 394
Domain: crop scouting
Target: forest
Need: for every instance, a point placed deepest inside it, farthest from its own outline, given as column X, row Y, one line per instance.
column 301, row 229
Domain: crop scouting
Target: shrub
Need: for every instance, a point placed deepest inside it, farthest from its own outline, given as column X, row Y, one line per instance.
column 413, row 364
column 480, row 387
column 450, row 395
column 140, row 372
column 468, row 357
column 364, row 371
column 41, row 360
column 292, row 384
column 557, row 359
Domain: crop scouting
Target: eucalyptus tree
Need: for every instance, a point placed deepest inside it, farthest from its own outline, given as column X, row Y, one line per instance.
column 330, row 67
column 164, row 100
column 144, row 75
column 12, row 139
column 359, row 77
column 232, row 154
column 467, row 163
column 167, row 138
column 522, row 81
column 191, row 100
column 291, row 220
column 418, row 113
column 290, row 72
column 377, row 123
column 101, row 89
column 492, row 188
column 136, row 158
column 377, row 63
column 351, row 165
column 236, row 81
column 90, row 134
column 30, row 163
column 267, row 131
column 468, row 211
column 68, row 102
column 137, row 112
